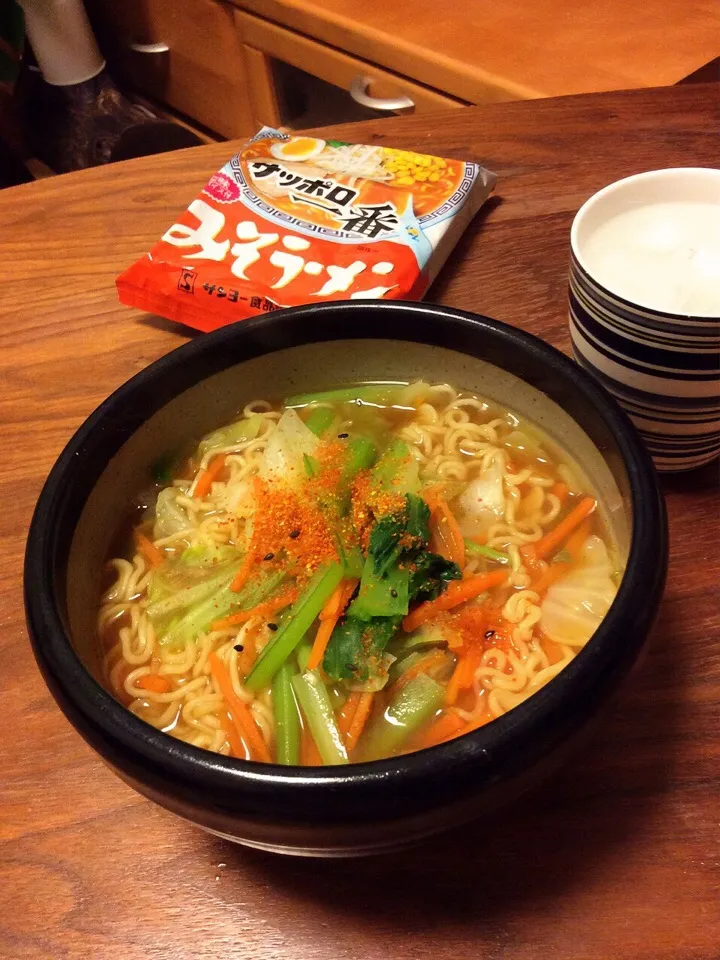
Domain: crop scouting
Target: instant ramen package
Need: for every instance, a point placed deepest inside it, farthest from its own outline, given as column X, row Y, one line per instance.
column 295, row 219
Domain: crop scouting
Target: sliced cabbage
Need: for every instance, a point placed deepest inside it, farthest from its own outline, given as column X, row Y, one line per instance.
column 483, row 501
column 576, row 603
column 233, row 433
column 170, row 518
column 287, row 446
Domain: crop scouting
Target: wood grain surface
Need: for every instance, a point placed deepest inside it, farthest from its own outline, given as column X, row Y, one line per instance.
column 482, row 51
column 617, row 858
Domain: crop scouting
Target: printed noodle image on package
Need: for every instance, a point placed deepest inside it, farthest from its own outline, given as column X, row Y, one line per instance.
column 295, row 219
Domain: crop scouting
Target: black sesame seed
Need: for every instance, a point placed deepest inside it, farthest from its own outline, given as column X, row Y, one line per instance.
column 294, row 534
column 393, row 593
column 269, row 556
column 343, row 436
column 272, row 626
column 489, row 634
column 239, row 647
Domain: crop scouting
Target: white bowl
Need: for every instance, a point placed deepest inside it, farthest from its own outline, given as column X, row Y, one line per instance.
column 645, row 306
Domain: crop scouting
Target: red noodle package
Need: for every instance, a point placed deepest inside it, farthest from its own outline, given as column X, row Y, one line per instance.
column 296, row 219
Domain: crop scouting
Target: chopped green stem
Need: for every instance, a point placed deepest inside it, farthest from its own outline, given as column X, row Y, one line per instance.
column 303, row 655
column 287, row 717
column 317, row 709
column 397, row 469
column 380, row 393
column 305, row 609
column 320, row 420
column 312, row 467
column 411, row 707
column 488, row 552
column 361, row 454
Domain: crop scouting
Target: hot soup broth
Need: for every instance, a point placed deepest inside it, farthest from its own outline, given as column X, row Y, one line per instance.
column 352, row 575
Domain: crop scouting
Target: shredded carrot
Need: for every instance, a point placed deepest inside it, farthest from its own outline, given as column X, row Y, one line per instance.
column 236, row 742
column 207, row 477
column 534, row 565
column 241, row 715
column 359, row 720
column 453, row 688
column 447, row 725
column 309, row 753
column 459, row 591
column 329, row 616
column 547, row 545
column 248, row 654
column 447, row 538
column 576, row 541
column 332, row 606
column 264, row 609
column 560, row 490
column 464, row 672
column 148, row 549
column 554, row 571
column 322, row 638
column 345, row 717
column 241, row 577
column 430, row 660
column 546, row 579
column 155, row 682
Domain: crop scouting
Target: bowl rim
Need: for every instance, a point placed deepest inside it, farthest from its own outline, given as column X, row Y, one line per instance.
column 318, row 792
column 618, row 186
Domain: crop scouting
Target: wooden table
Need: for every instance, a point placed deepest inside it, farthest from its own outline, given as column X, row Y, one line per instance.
column 617, row 857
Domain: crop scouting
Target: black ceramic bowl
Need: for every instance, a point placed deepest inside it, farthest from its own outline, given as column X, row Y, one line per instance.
column 362, row 807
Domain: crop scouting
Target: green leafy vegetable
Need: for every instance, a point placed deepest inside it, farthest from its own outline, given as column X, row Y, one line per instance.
column 398, row 568
column 164, row 468
column 431, row 575
column 356, row 647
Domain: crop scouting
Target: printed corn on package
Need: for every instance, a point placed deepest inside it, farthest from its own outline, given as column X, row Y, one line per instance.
column 296, row 219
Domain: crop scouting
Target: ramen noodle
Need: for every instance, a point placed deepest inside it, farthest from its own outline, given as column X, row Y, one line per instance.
column 297, row 219
column 352, row 575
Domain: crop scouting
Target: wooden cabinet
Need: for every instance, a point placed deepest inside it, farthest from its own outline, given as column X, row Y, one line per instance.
column 231, row 71
column 184, row 54
column 296, row 81
column 230, row 65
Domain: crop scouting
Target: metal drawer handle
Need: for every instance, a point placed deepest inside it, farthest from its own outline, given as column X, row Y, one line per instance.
column 150, row 47
column 358, row 91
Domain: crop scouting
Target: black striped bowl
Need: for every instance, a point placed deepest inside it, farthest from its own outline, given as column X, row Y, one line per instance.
column 663, row 367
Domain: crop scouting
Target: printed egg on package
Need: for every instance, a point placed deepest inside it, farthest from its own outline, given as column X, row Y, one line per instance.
column 297, row 219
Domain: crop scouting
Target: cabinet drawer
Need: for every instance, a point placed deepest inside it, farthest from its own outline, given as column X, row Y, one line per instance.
column 368, row 83
column 201, row 73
